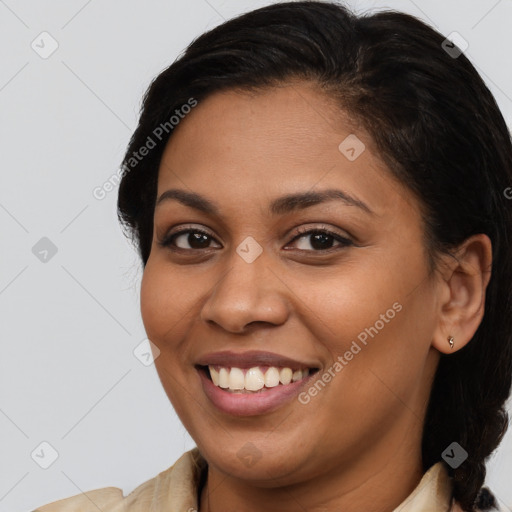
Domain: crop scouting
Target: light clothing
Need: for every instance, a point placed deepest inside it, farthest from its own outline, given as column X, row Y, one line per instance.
column 176, row 490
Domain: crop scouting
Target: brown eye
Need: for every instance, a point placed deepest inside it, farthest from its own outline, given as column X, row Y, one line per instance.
column 196, row 238
column 322, row 239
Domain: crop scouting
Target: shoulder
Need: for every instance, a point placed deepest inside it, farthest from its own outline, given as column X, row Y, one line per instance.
column 178, row 479
column 85, row 502
column 107, row 499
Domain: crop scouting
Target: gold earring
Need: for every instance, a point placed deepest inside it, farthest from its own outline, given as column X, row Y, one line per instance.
column 450, row 341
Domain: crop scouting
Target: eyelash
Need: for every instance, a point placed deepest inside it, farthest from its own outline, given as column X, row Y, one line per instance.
column 167, row 241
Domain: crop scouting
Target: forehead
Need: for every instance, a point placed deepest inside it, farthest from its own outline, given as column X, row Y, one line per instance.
column 239, row 146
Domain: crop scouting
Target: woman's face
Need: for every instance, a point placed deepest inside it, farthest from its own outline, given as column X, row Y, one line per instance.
column 354, row 302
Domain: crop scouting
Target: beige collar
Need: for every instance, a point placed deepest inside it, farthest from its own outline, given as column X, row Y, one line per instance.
column 433, row 492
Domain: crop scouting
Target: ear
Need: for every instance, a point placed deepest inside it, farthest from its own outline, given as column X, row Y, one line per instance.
column 461, row 293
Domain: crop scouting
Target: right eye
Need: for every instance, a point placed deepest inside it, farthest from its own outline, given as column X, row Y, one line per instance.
column 196, row 238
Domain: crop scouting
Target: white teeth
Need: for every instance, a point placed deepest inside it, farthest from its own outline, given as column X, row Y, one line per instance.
column 272, row 377
column 236, row 379
column 254, row 379
column 285, row 376
column 296, row 376
column 215, row 375
column 224, row 378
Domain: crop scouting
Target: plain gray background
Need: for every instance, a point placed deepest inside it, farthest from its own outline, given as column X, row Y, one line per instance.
column 70, row 324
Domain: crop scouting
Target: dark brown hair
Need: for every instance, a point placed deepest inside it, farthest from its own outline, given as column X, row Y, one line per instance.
column 441, row 133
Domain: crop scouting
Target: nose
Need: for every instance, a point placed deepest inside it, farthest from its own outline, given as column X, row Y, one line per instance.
column 246, row 294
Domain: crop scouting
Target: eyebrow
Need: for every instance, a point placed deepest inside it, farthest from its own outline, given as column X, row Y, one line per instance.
column 280, row 206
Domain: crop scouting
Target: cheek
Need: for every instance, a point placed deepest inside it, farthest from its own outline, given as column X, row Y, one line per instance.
column 372, row 320
column 166, row 324
column 348, row 305
column 161, row 302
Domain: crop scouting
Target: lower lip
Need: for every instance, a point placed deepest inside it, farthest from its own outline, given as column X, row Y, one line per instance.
column 251, row 404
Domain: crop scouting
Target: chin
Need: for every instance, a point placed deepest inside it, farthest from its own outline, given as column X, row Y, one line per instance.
column 265, row 463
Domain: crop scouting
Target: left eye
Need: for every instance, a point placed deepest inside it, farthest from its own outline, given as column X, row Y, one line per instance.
column 320, row 240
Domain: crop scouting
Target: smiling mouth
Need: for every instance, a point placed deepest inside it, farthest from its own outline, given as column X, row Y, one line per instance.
column 257, row 379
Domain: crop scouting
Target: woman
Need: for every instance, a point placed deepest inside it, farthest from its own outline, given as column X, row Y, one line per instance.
column 318, row 204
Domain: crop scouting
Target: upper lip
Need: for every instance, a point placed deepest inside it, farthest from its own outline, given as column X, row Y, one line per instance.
column 250, row 359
